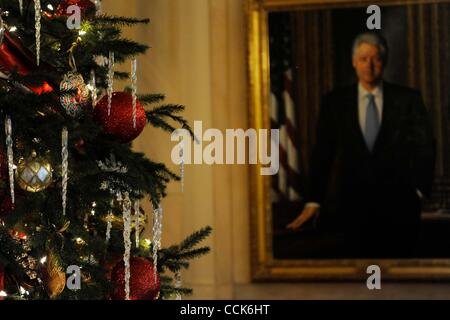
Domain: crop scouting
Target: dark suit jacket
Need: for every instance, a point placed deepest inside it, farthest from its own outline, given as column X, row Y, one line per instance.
column 375, row 192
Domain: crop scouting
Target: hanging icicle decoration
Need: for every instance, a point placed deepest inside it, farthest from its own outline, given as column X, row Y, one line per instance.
column 2, row 28
column 157, row 235
column 21, row 7
column 178, row 284
column 137, row 213
column 127, row 241
column 134, row 88
column 182, row 167
column 110, row 80
column 86, row 221
column 109, row 223
column 93, row 89
column 9, row 145
column 65, row 166
column 98, row 7
column 37, row 23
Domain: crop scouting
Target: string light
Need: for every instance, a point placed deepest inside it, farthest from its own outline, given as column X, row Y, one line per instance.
column 85, row 28
column 13, row 29
column 3, row 294
column 50, row 7
column 43, row 260
column 23, row 291
column 145, row 243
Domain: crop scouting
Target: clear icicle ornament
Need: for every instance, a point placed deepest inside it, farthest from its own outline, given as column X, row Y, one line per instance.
column 2, row 29
column 182, row 167
column 86, row 221
column 37, row 24
column 137, row 213
column 9, row 146
column 109, row 223
column 110, row 80
column 157, row 235
column 134, row 88
column 127, row 241
column 178, row 284
column 98, row 7
column 93, row 89
column 65, row 166
column 21, row 7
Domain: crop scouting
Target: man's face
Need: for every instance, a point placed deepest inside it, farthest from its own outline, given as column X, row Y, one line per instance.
column 368, row 64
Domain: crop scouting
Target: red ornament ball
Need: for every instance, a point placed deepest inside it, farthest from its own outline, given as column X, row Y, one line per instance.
column 109, row 263
column 84, row 5
column 143, row 283
column 119, row 123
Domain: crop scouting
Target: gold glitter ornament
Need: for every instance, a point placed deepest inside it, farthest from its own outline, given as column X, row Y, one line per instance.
column 54, row 277
column 34, row 174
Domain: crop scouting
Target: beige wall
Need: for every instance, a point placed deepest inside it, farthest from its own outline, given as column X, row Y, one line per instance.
column 198, row 59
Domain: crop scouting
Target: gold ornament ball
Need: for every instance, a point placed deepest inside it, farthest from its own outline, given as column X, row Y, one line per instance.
column 34, row 174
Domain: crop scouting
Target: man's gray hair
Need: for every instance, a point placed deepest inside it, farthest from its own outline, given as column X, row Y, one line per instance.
column 374, row 39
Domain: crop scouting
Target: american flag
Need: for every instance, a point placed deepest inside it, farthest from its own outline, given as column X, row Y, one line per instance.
column 286, row 184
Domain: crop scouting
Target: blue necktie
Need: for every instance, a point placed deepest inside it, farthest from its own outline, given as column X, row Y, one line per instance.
column 372, row 122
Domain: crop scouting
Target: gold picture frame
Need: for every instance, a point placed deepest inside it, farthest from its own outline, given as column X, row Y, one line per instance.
column 263, row 265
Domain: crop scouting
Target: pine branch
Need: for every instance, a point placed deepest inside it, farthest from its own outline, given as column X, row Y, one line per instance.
column 146, row 99
column 192, row 254
column 120, row 21
column 176, row 257
column 158, row 118
column 123, row 48
column 195, row 238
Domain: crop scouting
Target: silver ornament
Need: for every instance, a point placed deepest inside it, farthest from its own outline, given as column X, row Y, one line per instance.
column 134, row 88
column 157, row 235
column 9, row 146
column 110, row 88
column 127, row 241
column 65, row 166
column 74, row 94
column 37, row 23
column 137, row 215
column 2, row 30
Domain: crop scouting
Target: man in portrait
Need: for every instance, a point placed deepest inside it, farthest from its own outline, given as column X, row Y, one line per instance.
column 375, row 141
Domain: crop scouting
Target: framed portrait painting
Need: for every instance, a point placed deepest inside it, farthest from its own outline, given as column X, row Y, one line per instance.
column 298, row 52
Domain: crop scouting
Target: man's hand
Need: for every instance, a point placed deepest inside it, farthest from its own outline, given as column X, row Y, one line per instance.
column 308, row 213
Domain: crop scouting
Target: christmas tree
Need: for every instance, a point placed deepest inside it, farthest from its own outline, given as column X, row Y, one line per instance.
column 71, row 185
